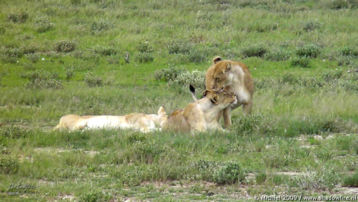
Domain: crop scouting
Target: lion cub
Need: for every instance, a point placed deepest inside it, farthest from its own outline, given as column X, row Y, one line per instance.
column 201, row 115
column 234, row 76
column 137, row 121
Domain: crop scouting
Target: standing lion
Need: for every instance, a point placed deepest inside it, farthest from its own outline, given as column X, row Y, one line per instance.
column 235, row 76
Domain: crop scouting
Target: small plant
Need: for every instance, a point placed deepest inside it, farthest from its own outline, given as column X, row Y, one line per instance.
column 310, row 50
column 65, row 46
column 311, row 26
column 145, row 57
column 42, row 24
column 195, row 78
column 254, row 51
column 145, row 47
column 300, row 61
column 351, row 181
column 228, row 173
column 278, row 54
column 20, row 17
column 69, row 74
column 197, row 56
column 93, row 81
column 94, row 196
column 179, row 47
column 345, row 60
column 349, row 51
column 105, row 51
column 100, row 26
column 33, row 57
column 261, row 178
column 8, row 165
column 21, row 188
column 168, row 74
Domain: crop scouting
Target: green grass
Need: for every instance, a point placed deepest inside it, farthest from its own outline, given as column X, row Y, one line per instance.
column 118, row 57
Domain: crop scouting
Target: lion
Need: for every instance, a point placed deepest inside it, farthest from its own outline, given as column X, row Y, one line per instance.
column 137, row 121
column 202, row 114
column 234, row 76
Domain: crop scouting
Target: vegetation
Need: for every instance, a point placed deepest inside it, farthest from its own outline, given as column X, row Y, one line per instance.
column 118, row 57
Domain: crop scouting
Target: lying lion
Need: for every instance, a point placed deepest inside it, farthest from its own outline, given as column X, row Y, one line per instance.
column 202, row 114
column 137, row 121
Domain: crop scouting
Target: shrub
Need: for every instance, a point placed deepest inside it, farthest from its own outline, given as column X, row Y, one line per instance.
column 43, row 25
column 260, row 178
column 100, row 26
column 144, row 57
column 311, row 26
column 344, row 60
column 8, row 165
column 20, row 17
column 195, row 78
column 342, row 4
column 177, row 47
column 310, row 50
column 45, row 83
column 65, row 46
column 351, row 181
column 168, row 74
column 145, row 47
column 228, row 173
column 300, row 61
column 220, row 172
column 254, row 51
column 197, row 56
column 93, row 81
column 257, row 27
column 105, row 51
column 94, row 196
column 33, row 57
column 349, row 51
column 21, row 188
column 278, row 54
column 2, row 30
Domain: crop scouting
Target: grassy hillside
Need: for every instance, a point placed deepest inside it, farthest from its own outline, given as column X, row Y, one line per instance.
column 117, row 57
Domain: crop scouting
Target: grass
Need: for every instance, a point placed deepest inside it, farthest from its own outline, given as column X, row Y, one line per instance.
column 109, row 57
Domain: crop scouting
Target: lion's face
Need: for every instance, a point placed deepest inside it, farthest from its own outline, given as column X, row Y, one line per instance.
column 220, row 77
column 221, row 97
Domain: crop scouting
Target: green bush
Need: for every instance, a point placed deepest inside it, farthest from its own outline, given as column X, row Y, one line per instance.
column 228, row 173
column 351, row 181
column 145, row 47
column 260, row 178
column 168, row 74
column 105, row 51
column 92, row 80
column 99, row 26
column 197, row 56
column 8, row 165
column 220, row 172
column 301, row 61
column 94, row 196
column 195, row 78
column 311, row 26
column 144, row 57
column 278, row 54
column 65, row 46
column 310, row 50
column 176, row 47
column 20, row 17
column 254, row 51
column 349, row 51
column 43, row 24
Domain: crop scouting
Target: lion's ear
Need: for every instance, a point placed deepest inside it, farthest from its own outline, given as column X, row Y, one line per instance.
column 216, row 59
column 228, row 67
column 214, row 99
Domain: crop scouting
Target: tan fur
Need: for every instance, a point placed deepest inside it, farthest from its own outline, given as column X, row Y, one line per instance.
column 200, row 115
column 234, row 76
column 136, row 121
